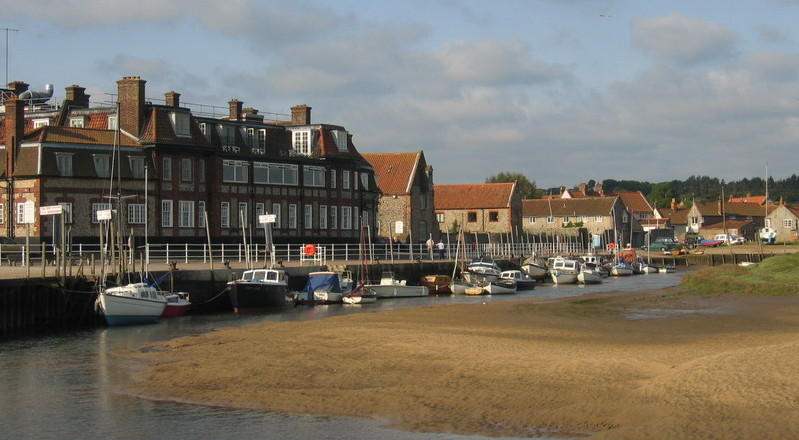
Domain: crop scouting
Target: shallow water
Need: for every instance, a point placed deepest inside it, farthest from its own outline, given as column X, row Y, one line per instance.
column 66, row 386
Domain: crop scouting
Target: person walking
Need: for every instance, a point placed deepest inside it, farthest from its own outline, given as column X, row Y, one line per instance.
column 440, row 247
column 430, row 244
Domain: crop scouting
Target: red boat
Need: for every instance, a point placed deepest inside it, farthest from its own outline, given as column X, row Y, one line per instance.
column 710, row 243
column 177, row 303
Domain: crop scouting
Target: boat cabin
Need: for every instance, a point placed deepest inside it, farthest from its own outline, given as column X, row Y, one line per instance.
column 271, row 276
column 387, row 279
column 564, row 264
column 516, row 275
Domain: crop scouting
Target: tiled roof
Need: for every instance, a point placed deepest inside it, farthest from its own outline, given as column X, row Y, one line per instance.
column 473, row 195
column 760, row 200
column 745, row 209
column 394, row 171
column 158, row 128
column 70, row 135
column 573, row 207
column 676, row 216
column 731, row 224
column 634, row 201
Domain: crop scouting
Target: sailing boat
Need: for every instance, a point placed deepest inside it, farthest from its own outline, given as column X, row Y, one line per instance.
column 361, row 294
column 132, row 303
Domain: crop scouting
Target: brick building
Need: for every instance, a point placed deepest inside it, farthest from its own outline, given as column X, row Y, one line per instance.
column 602, row 217
column 493, row 208
column 406, row 204
column 233, row 168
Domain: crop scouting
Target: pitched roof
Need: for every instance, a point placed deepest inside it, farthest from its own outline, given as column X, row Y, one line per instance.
column 394, row 171
column 760, row 200
column 559, row 207
column 730, row 224
column 634, row 201
column 474, row 195
column 676, row 216
column 745, row 209
column 88, row 136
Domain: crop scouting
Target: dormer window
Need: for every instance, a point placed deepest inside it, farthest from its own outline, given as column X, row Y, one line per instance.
column 77, row 121
column 112, row 122
column 41, row 122
column 301, row 142
column 227, row 133
column 180, row 122
column 341, row 140
column 262, row 138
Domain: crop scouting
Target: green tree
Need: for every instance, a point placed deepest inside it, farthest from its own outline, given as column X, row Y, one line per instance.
column 527, row 187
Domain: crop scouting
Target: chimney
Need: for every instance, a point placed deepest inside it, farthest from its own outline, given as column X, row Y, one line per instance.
column 251, row 114
column 235, row 109
column 130, row 91
column 583, row 189
column 15, row 130
column 18, row 87
column 77, row 96
column 301, row 115
column 673, row 205
column 599, row 189
column 172, row 99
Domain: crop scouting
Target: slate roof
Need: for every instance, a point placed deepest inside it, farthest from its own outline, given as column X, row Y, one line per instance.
column 394, row 171
column 473, row 195
column 589, row 206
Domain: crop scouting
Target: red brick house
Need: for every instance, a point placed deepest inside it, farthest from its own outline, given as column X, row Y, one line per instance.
column 233, row 168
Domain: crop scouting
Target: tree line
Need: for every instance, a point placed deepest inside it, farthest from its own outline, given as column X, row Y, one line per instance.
column 700, row 188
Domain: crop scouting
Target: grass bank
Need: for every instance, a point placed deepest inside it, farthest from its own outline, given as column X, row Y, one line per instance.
column 778, row 275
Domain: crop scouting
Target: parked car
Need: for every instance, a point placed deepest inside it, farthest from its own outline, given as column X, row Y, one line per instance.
column 729, row 239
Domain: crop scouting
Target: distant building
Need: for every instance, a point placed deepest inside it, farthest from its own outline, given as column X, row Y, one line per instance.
column 602, row 217
column 493, row 208
column 785, row 221
column 712, row 213
column 406, row 202
column 232, row 167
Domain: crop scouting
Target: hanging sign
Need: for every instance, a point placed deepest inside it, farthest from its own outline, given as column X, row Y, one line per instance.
column 267, row 218
column 51, row 210
column 104, row 214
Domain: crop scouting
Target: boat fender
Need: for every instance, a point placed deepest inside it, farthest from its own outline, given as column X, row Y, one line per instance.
column 310, row 250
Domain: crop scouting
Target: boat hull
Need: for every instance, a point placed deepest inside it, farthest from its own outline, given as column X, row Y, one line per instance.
column 172, row 310
column 564, row 277
column 474, row 291
column 525, row 285
column 358, row 299
column 586, row 277
column 398, row 291
column 500, row 288
column 621, row 271
column 535, row 271
column 246, row 296
column 122, row 310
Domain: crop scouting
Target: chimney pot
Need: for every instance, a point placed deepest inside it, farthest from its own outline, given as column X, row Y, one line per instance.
column 77, row 96
column 130, row 94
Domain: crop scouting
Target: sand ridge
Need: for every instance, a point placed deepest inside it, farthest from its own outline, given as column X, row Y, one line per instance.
column 577, row 366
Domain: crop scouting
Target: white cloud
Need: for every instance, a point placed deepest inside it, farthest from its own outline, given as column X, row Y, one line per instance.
column 684, row 40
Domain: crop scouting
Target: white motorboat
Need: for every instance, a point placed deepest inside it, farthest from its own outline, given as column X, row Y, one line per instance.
column 501, row 287
column 535, row 268
column 523, row 281
column 646, row 268
column 482, row 270
column 621, row 270
column 588, row 275
column 135, row 303
column 390, row 287
column 667, row 269
column 564, row 271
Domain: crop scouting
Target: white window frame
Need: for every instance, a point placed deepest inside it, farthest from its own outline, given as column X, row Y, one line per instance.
column 224, row 214
column 166, row 214
column 243, row 213
column 313, row 176
column 551, row 219
column 250, row 137
column 136, row 214
column 440, row 217
column 240, row 172
column 186, row 213
column 301, row 142
column 181, row 123
column 322, row 216
column 532, row 219
column 186, row 169
column 201, row 213
column 77, row 122
column 292, row 216
column 787, row 223
column 112, row 122
column 105, row 160
column 259, row 210
column 262, row 138
column 334, row 217
column 768, row 222
column 38, row 123
column 99, row 207
column 340, row 137
column 346, row 218
column 566, row 219
column 64, row 164
column 597, row 219
column 276, row 213
column 166, row 169
column 308, row 216
column 20, row 212
column 2, row 213
column 136, row 160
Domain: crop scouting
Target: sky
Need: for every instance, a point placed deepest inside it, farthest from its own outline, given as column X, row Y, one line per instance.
column 562, row 91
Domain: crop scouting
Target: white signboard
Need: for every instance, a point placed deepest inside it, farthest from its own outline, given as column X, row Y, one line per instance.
column 51, row 210
column 104, row 214
column 399, row 227
column 29, row 212
column 267, row 218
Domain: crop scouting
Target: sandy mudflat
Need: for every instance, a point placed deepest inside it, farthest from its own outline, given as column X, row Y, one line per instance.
column 696, row 368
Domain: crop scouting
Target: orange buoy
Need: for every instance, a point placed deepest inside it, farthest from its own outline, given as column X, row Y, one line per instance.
column 310, row 250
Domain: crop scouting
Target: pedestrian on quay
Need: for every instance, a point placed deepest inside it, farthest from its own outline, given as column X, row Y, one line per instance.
column 440, row 247
column 430, row 244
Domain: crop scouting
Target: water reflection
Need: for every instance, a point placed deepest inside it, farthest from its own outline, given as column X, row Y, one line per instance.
column 62, row 387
